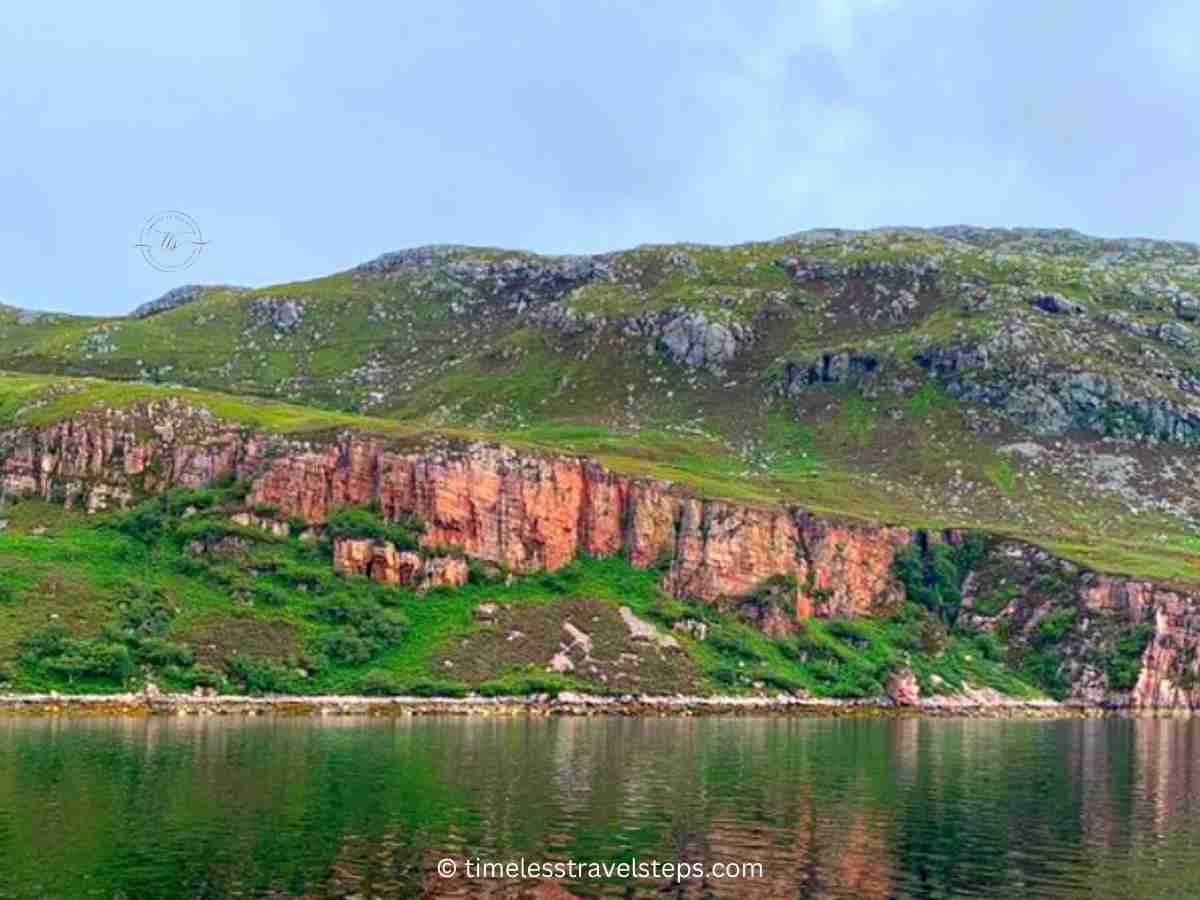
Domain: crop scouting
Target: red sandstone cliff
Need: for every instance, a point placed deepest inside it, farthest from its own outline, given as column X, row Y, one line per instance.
column 1170, row 673
column 526, row 511
column 532, row 512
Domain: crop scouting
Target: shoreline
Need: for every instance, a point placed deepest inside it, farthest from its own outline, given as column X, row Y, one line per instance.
column 565, row 704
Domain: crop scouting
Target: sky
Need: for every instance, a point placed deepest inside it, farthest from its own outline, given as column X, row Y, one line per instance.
column 304, row 138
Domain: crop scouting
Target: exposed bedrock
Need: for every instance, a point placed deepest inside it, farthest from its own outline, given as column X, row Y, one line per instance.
column 526, row 511
column 531, row 512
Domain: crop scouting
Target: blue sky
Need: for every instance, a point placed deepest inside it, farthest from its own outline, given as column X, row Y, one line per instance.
column 305, row 138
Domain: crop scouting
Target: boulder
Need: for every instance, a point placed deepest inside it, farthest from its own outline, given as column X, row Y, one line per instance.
column 902, row 688
column 1057, row 305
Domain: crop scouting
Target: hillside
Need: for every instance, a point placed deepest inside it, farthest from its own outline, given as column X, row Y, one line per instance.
column 986, row 392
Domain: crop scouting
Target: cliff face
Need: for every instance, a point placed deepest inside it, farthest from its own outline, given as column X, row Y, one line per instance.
column 1115, row 641
column 525, row 511
column 106, row 457
column 531, row 512
column 1170, row 664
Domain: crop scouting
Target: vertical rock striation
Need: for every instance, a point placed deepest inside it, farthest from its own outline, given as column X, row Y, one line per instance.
column 526, row 511
column 531, row 512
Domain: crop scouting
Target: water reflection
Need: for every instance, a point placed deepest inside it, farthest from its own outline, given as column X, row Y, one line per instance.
column 830, row 808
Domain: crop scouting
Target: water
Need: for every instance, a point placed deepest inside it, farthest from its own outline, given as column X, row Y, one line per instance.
column 282, row 807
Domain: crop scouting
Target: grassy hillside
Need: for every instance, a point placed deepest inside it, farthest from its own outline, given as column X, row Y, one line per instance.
column 1041, row 385
column 106, row 603
column 854, row 461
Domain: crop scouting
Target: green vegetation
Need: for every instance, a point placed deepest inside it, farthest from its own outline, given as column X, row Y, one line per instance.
column 359, row 522
column 933, row 573
column 171, row 591
column 840, row 394
column 1123, row 662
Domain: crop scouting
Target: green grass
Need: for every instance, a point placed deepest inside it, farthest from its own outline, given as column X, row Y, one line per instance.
column 788, row 460
column 427, row 354
column 108, row 603
column 35, row 400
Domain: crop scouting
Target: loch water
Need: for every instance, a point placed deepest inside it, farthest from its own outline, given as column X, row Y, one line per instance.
column 217, row 807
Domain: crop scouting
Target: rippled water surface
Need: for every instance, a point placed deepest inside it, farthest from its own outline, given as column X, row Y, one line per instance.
column 830, row 808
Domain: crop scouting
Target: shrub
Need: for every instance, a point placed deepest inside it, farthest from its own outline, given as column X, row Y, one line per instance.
column 856, row 683
column 144, row 615
column 158, row 652
column 345, row 646
column 479, row 572
column 1053, row 627
column 45, row 642
column 377, row 683
column 993, row 602
column 176, row 500
column 437, row 688
column 668, row 609
column 364, row 629
column 193, row 676
column 522, row 685
column 726, row 676
column 144, row 523
column 260, row 676
column 1042, row 668
column 933, row 574
column 988, row 646
column 305, row 577
column 854, row 633
column 361, row 522
column 827, row 670
column 932, row 636
column 554, row 583
column 90, row 659
column 1124, row 661
column 781, row 681
column 267, row 595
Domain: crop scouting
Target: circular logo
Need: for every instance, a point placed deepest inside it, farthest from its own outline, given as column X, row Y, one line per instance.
column 170, row 241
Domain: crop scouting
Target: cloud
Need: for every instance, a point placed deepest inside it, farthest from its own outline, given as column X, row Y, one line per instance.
column 307, row 142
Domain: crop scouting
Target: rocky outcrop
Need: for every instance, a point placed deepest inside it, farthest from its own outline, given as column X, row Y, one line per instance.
column 730, row 550
column 874, row 289
column 1169, row 673
column 1110, row 640
column 471, row 276
column 1187, row 306
column 109, row 456
column 1115, row 640
column 249, row 519
column 695, row 338
column 1057, row 305
column 692, row 338
column 177, row 297
column 836, row 367
column 282, row 315
column 381, row 561
column 902, row 688
column 532, row 512
column 528, row 512
column 1041, row 394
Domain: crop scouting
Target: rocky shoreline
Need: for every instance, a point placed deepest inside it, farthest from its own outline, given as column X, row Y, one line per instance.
column 566, row 704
